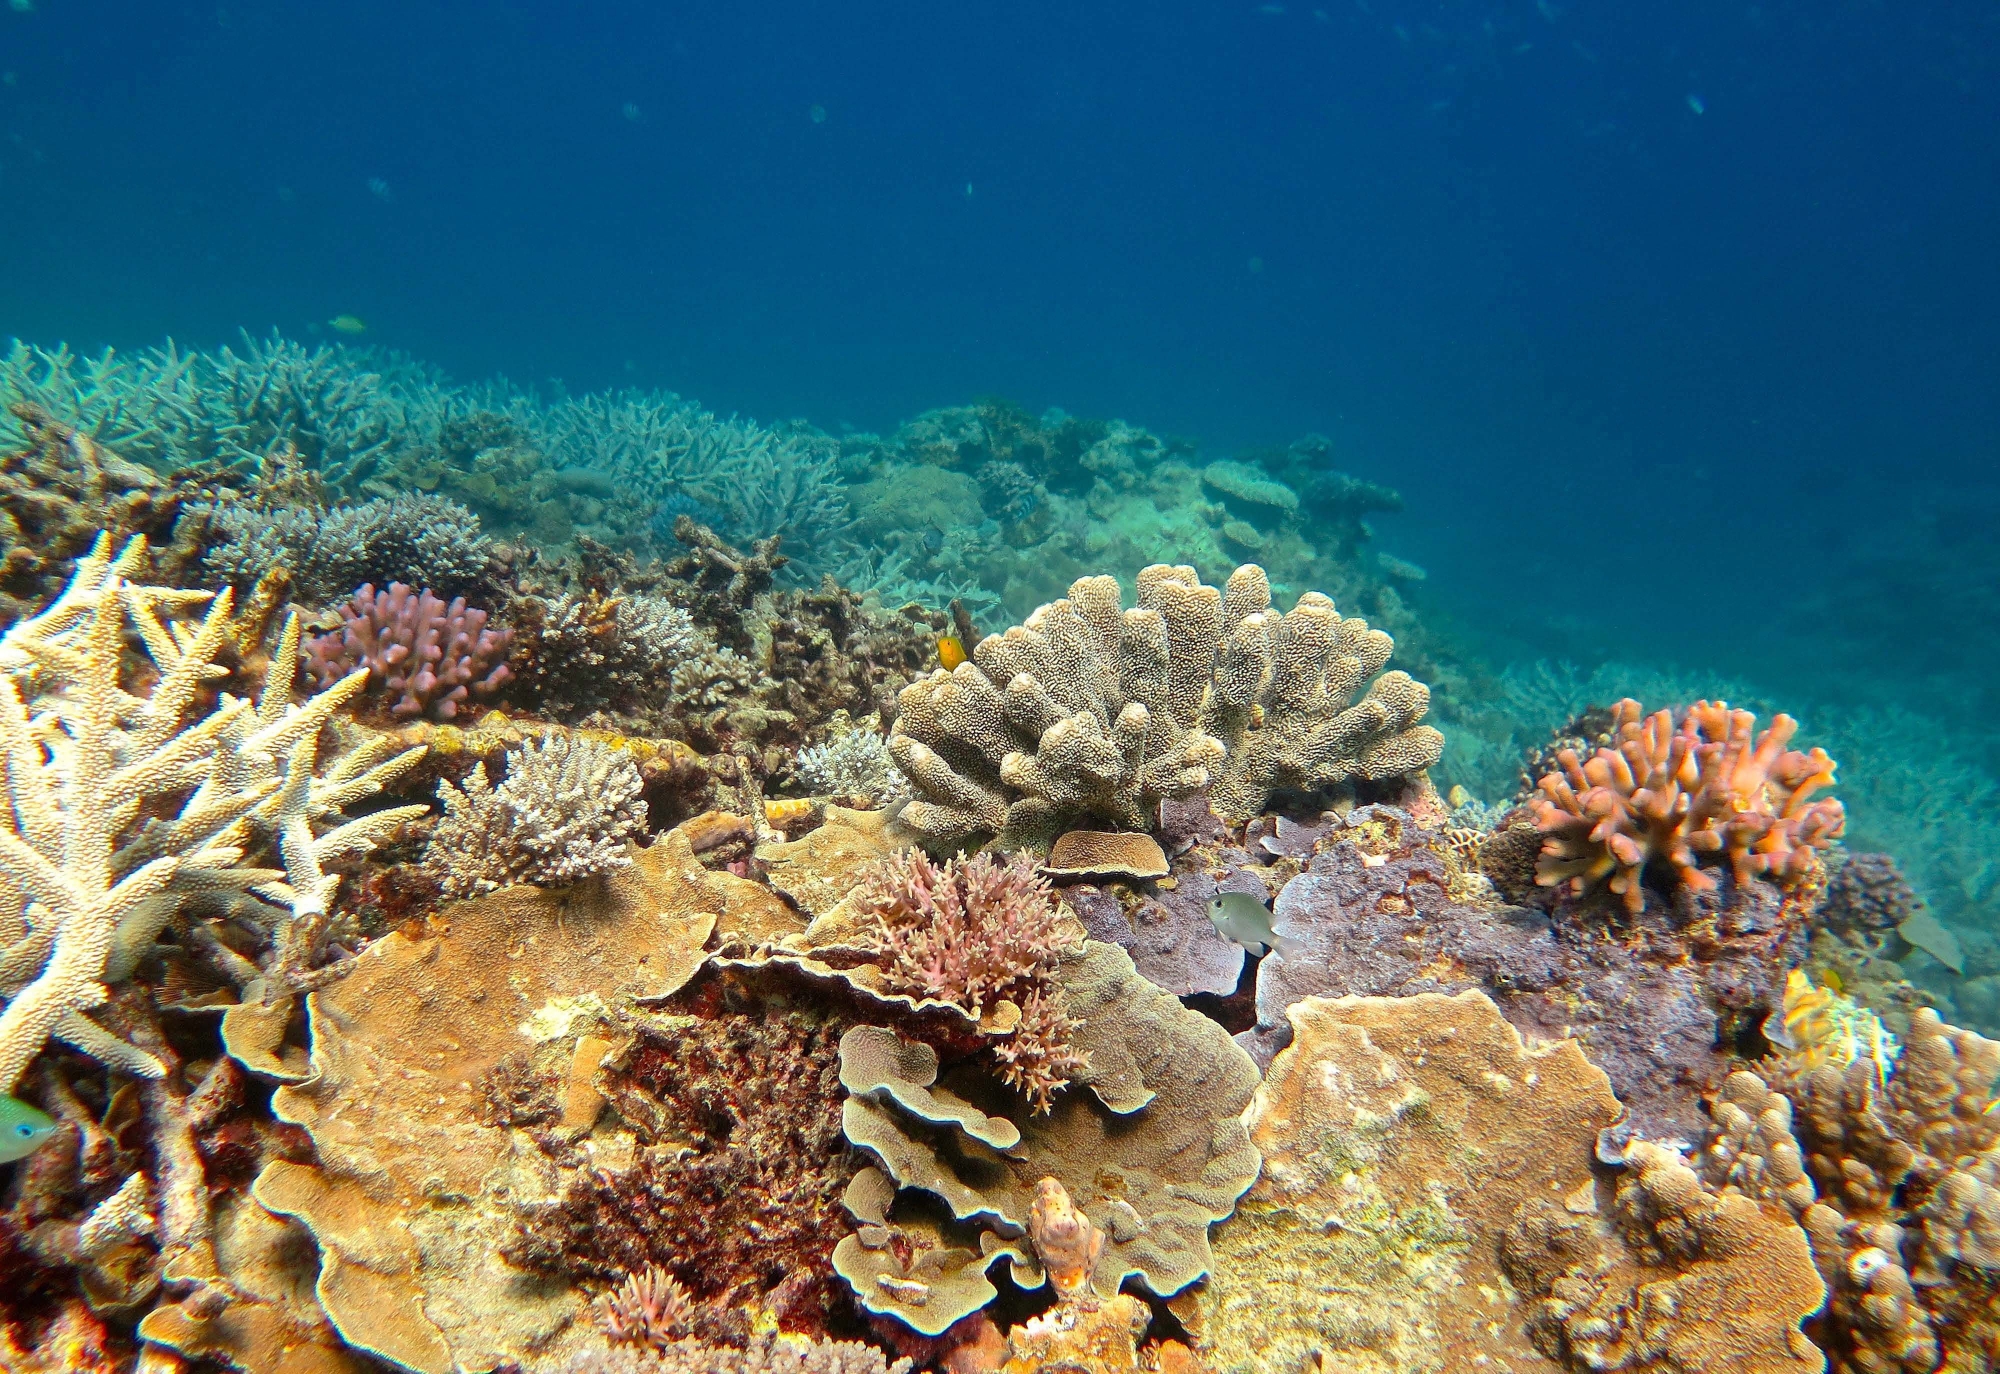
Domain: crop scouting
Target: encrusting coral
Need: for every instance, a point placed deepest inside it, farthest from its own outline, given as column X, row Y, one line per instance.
column 424, row 657
column 562, row 814
column 1668, row 794
column 1440, row 1178
column 1088, row 711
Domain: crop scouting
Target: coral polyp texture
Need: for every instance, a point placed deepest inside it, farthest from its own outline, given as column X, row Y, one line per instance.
column 424, row 657
column 1093, row 712
column 1668, row 795
column 562, row 814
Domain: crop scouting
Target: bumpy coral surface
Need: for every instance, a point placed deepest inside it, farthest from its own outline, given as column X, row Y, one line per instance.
column 1669, row 795
column 1444, row 1177
column 1086, row 711
column 424, row 657
column 574, row 654
column 561, row 814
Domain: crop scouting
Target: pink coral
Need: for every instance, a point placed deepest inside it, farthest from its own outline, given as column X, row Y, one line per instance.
column 648, row 1308
column 1675, row 793
column 966, row 932
column 424, row 657
column 978, row 933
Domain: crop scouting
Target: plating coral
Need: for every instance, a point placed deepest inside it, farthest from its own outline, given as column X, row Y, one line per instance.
column 1667, row 793
column 424, row 657
column 562, row 814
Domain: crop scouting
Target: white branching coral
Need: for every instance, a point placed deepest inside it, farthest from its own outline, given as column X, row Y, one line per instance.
column 121, row 805
column 853, row 766
column 562, row 814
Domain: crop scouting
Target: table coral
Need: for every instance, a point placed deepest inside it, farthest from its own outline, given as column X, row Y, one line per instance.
column 1088, row 711
column 424, row 657
column 1667, row 794
column 1441, row 1178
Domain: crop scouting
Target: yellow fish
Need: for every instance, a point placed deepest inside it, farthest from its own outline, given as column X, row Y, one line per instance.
column 348, row 324
column 951, row 651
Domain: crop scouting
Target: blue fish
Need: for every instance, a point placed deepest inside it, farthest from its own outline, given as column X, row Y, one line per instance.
column 22, row 1129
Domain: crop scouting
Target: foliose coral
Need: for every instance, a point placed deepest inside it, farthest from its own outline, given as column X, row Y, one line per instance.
column 562, row 814
column 1089, row 712
column 423, row 540
column 424, row 657
column 1669, row 794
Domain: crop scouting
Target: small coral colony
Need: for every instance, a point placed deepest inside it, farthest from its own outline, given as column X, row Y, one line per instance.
column 497, row 882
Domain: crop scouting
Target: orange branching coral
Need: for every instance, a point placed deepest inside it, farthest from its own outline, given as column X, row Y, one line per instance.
column 1661, row 792
column 983, row 936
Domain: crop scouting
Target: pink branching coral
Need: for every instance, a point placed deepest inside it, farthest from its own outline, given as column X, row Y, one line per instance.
column 648, row 1308
column 1711, row 785
column 424, row 657
column 976, row 933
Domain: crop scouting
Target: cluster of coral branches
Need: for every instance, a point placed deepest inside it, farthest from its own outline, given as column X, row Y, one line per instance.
column 1673, row 794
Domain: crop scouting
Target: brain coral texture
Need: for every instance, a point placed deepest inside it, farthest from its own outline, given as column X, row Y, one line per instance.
column 1673, row 794
column 1088, row 710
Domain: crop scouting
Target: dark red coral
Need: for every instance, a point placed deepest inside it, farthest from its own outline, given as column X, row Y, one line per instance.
column 735, row 1187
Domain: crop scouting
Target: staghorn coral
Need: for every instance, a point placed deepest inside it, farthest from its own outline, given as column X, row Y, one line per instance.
column 1089, row 712
column 562, row 814
column 1667, row 795
column 88, row 878
column 984, row 937
column 423, row 540
column 424, row 657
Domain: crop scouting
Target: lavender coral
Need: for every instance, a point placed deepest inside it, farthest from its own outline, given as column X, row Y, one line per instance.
column 562, row 814
column 1670, row 794
column 424, row 657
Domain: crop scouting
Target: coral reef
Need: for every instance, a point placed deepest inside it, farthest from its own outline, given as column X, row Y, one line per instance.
column 423, row 657
column 764, row 1355
column 562, row 814
column 422, row 540
column 1444, row 1177
column 852, row 767
column 1090, row 712
column 1664, row 794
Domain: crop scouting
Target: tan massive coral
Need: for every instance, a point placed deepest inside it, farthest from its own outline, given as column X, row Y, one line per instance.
column 1440, row 1180
column 1092, row 712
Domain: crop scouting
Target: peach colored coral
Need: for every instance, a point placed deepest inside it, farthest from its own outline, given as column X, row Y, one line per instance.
column 1674, row 794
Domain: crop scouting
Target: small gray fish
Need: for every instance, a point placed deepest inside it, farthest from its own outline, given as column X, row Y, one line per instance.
column 22, row 1129
column 1242, row 918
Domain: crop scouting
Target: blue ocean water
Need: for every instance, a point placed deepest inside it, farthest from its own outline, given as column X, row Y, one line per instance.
column 1678, row 326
